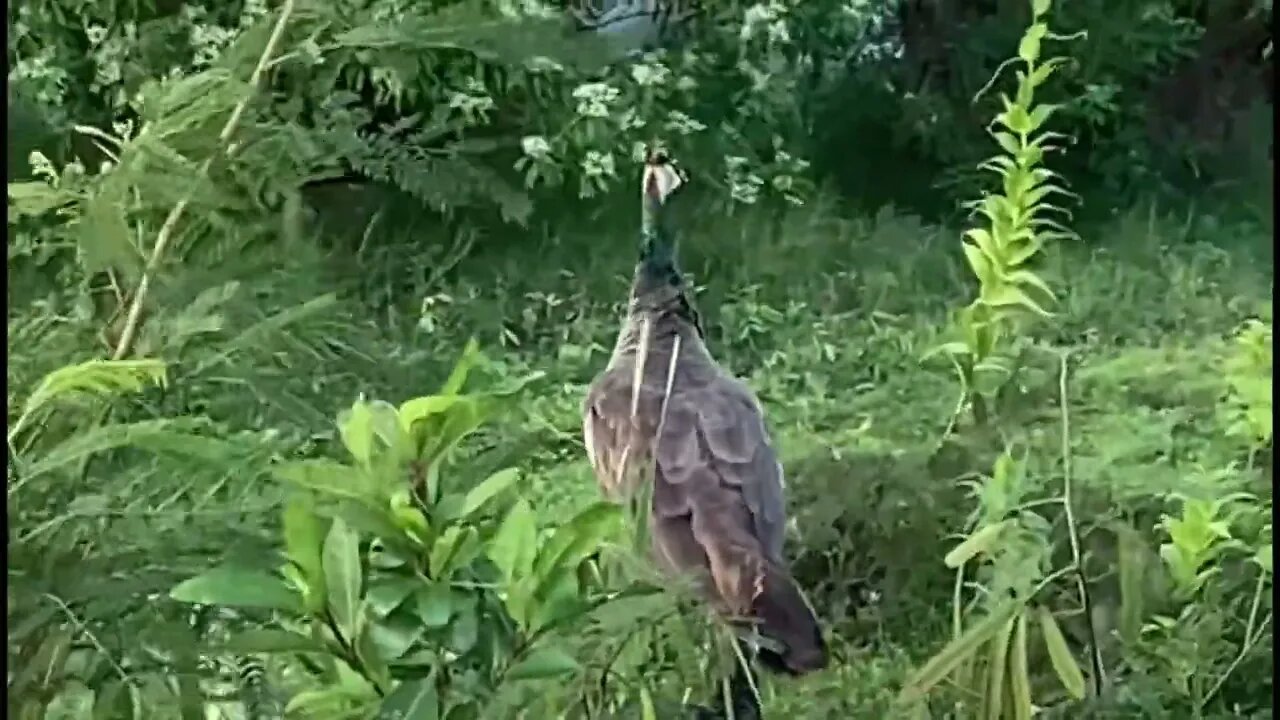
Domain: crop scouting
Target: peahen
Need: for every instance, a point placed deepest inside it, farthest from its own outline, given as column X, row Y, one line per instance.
column 664, row 409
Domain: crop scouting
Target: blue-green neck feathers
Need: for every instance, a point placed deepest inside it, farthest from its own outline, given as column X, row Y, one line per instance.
column 657, row 243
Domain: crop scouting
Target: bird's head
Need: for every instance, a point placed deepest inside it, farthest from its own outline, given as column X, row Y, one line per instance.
column 658, row 184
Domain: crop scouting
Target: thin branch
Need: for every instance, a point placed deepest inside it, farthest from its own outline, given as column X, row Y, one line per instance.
column 1073, row 530
column 130, row 331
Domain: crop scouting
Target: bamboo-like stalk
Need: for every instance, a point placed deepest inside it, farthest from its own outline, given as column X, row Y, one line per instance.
column 133, row 321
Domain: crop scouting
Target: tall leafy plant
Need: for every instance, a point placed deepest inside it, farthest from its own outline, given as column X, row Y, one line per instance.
column 1016, row 225
column 405, row 592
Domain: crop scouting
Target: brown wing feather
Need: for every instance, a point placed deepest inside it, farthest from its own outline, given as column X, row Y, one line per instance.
column 718, row 505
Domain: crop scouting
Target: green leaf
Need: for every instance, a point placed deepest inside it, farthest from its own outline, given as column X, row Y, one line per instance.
column 579, row 538
column 1019, row 675
column 465, row 629
column 543, row 663
column 1029, row 47
column 303, row 537
column 997, row 667
column 94, row 378
column 435, row 604
column 412, row 700
column 392, row 637
column 957, row 651
column 343, row 577
column 421, row 409
column 1064, row 664
column 487, row 490
column 32, row 199
column 456, row 548
column 1039, row 8
column 325, row 477
column 470, row 358
column 386, row 595
column 356, row 428
column 271, row 641
column 1263, row 558
column 513, row 546
column 1007, row 295
column 977, row 542
column 234, row 586
column 105, row 239
column 979, row 263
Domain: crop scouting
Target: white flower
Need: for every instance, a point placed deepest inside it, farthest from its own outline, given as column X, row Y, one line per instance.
column 597, row 164
column 683, row 124
column 470, row 104
column 535, row 146
column 594, row 99
column 650, row 74
column 630, row 120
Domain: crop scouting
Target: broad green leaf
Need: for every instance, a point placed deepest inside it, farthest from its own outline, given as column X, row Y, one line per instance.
column 394, row 635
column 104, row 237
column 420, row 409
column 238, row 587
column 343, row 577
column 34, row 199
column 978, row 263
column 470, row 358
column 356, row 428
column 487, row 490
column 556, row 597
column 954, row 348
column 580, row 537
column 957, row 651
column 325, row 477
column 385, row 595
column 1064, row 664
column 514, row 545
column 435, row 604
column 465, row 628
column 265, row 640
column 978, row 542
column 542, row 663
column 1005, row 295
column 1040, row 7
column 412, row 700
column 456, row 548
column 303, row 538
column 1029, row 47
column 1263, row 558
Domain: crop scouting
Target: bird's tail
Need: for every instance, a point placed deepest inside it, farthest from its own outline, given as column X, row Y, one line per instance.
column 785, row 619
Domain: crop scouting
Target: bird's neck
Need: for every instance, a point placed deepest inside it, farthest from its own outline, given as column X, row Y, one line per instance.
column 657, row 265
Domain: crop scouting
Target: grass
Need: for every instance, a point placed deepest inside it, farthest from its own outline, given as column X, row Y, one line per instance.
column 826, row 316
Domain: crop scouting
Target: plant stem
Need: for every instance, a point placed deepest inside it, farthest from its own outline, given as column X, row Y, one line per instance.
column 1251, row 639
column 130, row 330
column 1073, row 530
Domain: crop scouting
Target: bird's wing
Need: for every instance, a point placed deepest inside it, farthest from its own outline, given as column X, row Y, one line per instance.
column 718, row 505
column 716, row 431
column 618, row 441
